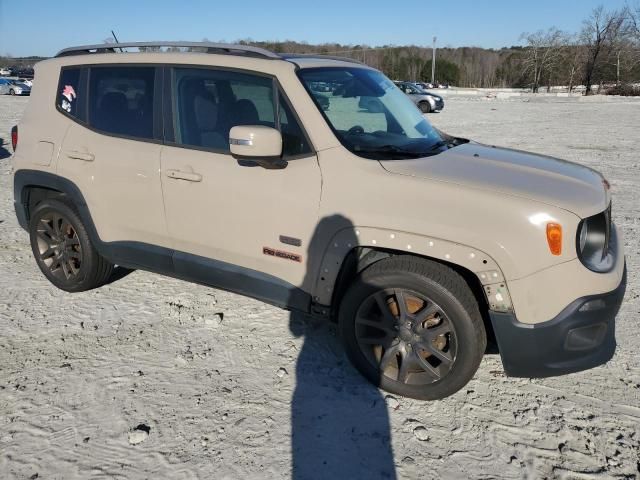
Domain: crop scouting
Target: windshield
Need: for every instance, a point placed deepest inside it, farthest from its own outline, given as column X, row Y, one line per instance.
column 411, row 89
column 370, row 115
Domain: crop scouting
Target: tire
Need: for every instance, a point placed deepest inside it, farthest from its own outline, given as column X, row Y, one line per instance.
column 425, row 107
column 429, row 352
column 62, row 248
column 12, row 92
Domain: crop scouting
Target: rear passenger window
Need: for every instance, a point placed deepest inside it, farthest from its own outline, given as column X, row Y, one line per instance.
column 121, row 100
column 67, row 99
column 208, row 103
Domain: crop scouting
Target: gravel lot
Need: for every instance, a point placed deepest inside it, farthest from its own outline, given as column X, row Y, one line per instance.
column 222, row 383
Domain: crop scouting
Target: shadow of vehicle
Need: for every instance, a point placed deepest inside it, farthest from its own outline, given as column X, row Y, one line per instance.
column 118, row 274
column 4, row 151
column 339, row 422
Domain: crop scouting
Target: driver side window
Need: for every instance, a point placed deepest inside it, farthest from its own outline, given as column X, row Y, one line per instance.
column 208, row 103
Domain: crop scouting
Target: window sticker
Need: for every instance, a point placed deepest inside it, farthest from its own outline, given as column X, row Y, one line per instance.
column 70, row 95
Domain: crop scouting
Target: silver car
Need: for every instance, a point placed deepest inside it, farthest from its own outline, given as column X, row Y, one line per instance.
column 13, row 87
column 426, row 101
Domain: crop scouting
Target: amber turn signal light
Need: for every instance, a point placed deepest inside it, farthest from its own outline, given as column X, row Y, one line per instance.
column 554, row 238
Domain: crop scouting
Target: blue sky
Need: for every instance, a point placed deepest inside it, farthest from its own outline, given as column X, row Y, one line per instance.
column 39, row 27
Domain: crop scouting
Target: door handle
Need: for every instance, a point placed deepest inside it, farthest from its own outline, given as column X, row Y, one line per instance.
column 180, row 175
column 86, row 156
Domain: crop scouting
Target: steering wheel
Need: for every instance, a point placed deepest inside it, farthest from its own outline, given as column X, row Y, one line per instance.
column 356, row 129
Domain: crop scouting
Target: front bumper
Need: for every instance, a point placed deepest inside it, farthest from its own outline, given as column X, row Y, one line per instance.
column 580, row 337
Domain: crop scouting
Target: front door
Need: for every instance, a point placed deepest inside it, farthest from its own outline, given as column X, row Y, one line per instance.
column 237, row 226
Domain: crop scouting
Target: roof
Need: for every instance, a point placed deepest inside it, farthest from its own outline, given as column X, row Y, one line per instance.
column 301, row 60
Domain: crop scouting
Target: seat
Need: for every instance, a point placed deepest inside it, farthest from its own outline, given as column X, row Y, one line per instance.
column 206, row 116
column 112, row 113
column 245, row 113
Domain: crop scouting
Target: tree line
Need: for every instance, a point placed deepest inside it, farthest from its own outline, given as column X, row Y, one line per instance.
column 605, row 52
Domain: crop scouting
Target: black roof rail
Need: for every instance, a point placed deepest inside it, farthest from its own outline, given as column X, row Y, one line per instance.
column 293, row 56
column 203, row 47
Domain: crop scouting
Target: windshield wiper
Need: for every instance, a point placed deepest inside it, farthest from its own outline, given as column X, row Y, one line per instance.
column 386, row 149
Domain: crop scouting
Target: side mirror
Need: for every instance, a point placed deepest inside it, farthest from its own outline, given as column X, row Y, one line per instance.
column 257, row 144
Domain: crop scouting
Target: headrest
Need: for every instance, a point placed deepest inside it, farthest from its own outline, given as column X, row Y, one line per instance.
column 114, row 102
column 206, row 112
column 246, row 112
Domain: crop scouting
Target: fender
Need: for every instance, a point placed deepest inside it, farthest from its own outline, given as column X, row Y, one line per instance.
column 480, row 263
column 22, row 179
column 127, row 254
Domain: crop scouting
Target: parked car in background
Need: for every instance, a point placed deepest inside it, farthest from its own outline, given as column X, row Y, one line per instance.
column 426, row 101
column 4, row 86
column 5, row 72
column 322, row 100
column 13, row 87
column 424, row 86
column 25, row 72
column 27, row 81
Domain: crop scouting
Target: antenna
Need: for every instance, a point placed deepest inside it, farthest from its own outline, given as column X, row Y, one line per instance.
column 115, row 38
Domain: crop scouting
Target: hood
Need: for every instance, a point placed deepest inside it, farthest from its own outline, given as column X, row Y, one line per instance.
column 549, row 180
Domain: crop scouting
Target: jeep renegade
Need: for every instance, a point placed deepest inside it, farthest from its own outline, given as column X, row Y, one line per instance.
column 261, row 174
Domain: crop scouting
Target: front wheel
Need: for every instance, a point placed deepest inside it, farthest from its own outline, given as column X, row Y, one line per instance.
column 63, row 250
column 412, row 327
column 12, row 92
column 425, row 107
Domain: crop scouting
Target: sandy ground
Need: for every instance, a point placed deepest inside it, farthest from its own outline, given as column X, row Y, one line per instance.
column 151, row 377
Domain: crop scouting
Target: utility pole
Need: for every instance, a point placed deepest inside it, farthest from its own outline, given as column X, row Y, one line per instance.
column 433, row 62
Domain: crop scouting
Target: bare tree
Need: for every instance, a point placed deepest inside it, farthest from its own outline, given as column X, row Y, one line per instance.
column 574, row 59
column 633, row 18
column 600, row 32
column 541, row 53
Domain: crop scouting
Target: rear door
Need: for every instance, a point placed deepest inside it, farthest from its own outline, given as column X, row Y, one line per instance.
column 112, row 150
column 236, row 225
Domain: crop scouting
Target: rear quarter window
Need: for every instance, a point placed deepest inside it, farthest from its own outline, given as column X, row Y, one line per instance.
column 70, row 97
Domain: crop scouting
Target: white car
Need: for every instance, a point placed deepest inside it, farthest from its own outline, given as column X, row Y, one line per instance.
column 13, row 87
column 5, row 72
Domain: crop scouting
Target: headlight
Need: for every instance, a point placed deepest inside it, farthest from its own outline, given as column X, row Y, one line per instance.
column 594, row 243
column 17, row 90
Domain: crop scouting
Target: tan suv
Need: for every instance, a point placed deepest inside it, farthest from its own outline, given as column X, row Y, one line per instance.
column 221, row 165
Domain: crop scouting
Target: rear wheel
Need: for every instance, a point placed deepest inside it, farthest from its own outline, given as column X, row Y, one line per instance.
column 63, row 250
column 412, row 327
column 425, row 107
